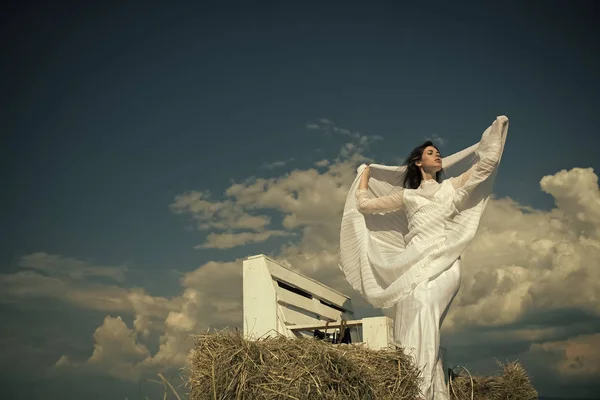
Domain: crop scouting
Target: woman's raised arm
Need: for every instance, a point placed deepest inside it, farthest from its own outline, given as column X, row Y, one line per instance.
column 489, row 155
column 368, row 205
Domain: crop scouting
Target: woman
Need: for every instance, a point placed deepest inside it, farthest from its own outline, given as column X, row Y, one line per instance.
column 403, row 232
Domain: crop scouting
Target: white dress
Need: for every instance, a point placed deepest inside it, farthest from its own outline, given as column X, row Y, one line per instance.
column 403, row 249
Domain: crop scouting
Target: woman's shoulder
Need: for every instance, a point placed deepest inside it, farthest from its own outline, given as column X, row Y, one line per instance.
column 448, row 183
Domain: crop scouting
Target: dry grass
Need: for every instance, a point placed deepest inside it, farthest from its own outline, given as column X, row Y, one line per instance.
column 511, row 384
column 168, row 387
column 225, row 366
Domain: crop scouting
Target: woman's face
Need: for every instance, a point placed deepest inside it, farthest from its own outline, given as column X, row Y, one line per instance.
column 431, row 160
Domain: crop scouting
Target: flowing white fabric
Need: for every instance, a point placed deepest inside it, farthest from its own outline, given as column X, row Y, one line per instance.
column 420, row 316
column 401, row 247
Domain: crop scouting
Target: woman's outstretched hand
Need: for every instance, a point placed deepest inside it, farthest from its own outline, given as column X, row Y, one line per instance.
column 364, row 179
column 501, row 120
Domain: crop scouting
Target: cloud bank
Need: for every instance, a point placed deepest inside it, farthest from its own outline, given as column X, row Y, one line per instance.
column 523, row 268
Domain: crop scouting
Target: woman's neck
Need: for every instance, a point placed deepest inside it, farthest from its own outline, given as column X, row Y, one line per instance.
column 427, row 176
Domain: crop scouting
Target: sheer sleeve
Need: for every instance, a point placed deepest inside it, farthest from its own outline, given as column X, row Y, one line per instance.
column 489, row 156
column 368, row 205
column 460, row 180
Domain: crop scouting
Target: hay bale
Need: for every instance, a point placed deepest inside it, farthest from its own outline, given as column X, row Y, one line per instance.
column 512, row 384
column 226, row 366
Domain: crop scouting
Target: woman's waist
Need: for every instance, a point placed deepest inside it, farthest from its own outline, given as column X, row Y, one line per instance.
column 426, row 224
column 426, row 212
column 425, row 239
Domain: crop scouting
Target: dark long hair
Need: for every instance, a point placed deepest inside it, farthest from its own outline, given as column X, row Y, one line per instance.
column 413, row 177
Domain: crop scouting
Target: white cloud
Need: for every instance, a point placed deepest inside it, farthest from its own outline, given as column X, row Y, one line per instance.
column 273, row 165
column 437, row 140
column 218, row 214
column 54, row 265
column 328, row 127
column 309, row 201
column 577, row 198
column 211, row 298
column 43, row 275
column 217, row 288
column 151, row 311
column 276, row 164
column 573, row 360
column 32, row 285
column 304, row 197
column 523, row 260
column 64, row 362
column 117, row 353
column 116, row 349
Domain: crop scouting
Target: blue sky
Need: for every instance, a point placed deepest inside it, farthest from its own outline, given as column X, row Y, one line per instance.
column 111, row 113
